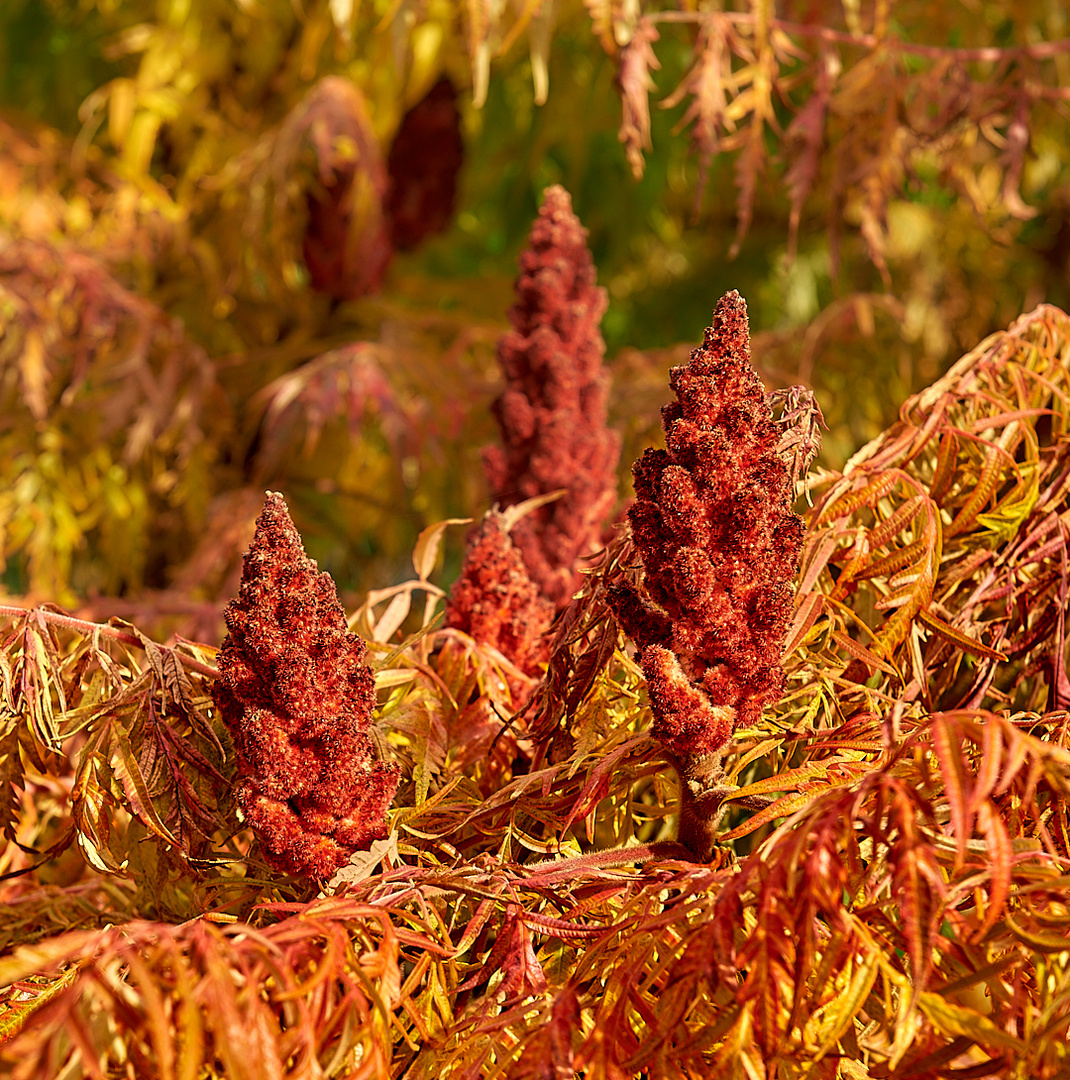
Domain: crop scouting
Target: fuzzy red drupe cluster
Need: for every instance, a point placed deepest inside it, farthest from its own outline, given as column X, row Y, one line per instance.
column 496, row 602
column 713, row 524
column 552, row 413
column 297, row 697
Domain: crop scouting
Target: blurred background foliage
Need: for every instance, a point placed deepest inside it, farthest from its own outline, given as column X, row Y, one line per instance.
column 210, row 283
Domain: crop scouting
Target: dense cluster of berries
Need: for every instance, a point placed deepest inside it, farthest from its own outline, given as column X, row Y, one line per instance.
column 713, row 524
column 496, row 602
column 297, row 697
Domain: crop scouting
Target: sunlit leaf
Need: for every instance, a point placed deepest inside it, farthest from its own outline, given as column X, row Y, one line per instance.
column 956, row 1020
column 425, row 554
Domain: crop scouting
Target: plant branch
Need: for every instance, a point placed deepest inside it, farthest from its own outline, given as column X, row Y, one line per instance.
column 1044, row 50
column 69, row 622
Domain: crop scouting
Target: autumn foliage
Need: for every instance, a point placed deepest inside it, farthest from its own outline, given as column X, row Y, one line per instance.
column 399, row 773
column 914, row 846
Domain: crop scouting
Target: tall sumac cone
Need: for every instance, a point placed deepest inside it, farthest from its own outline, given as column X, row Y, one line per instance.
column 552, row 413
column 297, row 697
column 713, row 524
column 496, row 602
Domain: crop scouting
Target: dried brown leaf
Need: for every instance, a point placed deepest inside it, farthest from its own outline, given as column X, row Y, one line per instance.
column 637, row 60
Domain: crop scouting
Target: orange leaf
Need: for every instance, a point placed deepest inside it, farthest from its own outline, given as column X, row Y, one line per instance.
column 947, row 742
column 955, row 637
column 1000, row 857
column 784, row 807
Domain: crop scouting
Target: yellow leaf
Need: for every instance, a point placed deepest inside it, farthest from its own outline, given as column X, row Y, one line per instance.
column 1046, row 943
column 512, row 514
column 1006, row 519
column 33, row 369
column 389, row 677
column 950, row 1019
column 120, row 111
column 20, row 1012
column 539, row 35
column 393, row 617
column 141, row 143
column 425, row 553
column 841, row 1014
column 342, row 14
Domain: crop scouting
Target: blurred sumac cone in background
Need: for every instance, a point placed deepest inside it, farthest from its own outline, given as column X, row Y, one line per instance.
column 552, row 412
column 346, row 244
column 424, row 160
